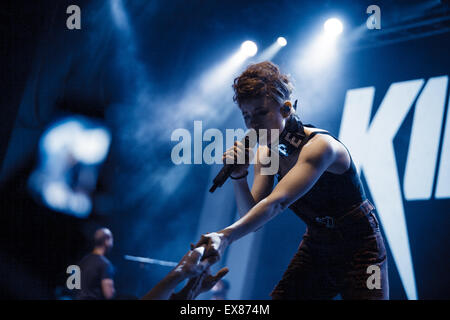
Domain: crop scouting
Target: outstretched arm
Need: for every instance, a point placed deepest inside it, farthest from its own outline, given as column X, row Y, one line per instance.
column 165, row 287
column 189, row 266
column 262, row 184
column 199, row 284
column 314, row 159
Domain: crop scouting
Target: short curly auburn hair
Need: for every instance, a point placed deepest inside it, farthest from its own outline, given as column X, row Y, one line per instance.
column 262, row 79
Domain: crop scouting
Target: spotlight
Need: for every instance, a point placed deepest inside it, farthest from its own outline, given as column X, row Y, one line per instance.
column 249, row 48
column 323, row 48
column 281, row 41
column 333, row 27
column 72, row 149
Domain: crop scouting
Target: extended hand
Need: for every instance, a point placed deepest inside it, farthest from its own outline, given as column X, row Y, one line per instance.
column 201, row 283
column 190, row 265
column 215, row 244
column 209, row 281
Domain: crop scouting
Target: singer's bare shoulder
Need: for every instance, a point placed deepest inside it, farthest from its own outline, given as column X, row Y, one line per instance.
column 325, row 141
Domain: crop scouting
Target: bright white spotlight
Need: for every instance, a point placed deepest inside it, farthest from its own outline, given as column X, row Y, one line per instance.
column 282, row 41
column 249, row 48
column 74, row 140
column 333, row 27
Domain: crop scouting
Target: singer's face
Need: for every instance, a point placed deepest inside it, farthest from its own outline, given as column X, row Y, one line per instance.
column 262, row 113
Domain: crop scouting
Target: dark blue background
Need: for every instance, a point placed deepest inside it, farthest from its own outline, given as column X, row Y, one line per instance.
column 99, row 70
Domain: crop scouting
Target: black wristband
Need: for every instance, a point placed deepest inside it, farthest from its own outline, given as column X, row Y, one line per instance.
column 238, row 178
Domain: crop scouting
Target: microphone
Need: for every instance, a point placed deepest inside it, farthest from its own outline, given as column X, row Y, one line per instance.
column 227, row 169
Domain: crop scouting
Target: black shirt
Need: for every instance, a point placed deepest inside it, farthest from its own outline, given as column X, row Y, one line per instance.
column 332, row 194
column 94, row 268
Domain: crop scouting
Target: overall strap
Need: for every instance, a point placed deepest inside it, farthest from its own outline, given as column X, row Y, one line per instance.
column 311, row 136
column 300, row 146
column 326, row 132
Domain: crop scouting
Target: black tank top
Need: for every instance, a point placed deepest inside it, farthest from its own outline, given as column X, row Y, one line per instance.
column 332, row 194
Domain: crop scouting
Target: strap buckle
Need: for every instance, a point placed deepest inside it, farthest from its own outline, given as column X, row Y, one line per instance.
column 327, row 221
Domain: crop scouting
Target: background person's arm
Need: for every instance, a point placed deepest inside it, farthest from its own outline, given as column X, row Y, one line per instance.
column 107, row 282
column 108, row 288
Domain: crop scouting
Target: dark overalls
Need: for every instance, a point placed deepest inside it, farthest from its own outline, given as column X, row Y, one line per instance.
column 342, row 251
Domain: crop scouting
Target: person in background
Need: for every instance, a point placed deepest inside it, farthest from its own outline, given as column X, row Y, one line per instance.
column 97, row 272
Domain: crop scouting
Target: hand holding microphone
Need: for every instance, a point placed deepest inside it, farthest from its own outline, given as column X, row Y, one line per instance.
column 236, row 160
column 241, row 156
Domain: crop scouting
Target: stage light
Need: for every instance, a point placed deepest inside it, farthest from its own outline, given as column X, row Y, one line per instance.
column 282, row 41
column 333, row 27
column 272, row 50
column 249, row 48
column 323, row 48
column 119, row 15
column 72, row 149
column 212, row 82
column 91, row 145
column 88, row 145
